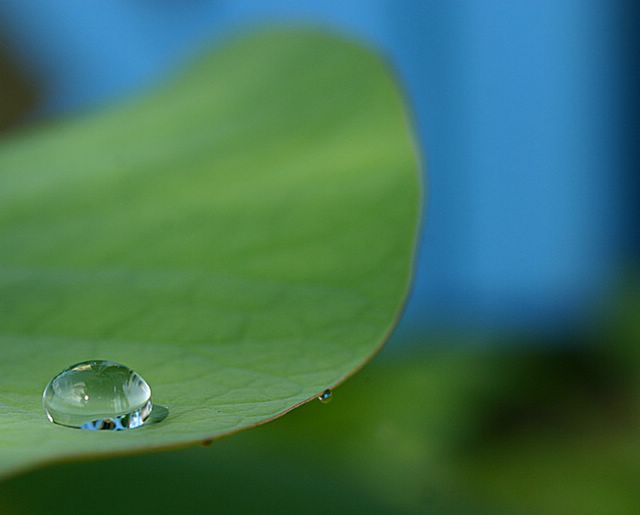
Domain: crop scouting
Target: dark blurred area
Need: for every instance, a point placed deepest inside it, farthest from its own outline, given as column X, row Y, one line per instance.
column 18, row 96
column 511, row 385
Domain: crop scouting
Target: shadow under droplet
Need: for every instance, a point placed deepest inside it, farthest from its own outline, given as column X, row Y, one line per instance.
column 158, row 414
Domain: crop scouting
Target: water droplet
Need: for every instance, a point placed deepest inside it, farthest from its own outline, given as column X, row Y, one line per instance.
column 325, row 396
column 98, row 395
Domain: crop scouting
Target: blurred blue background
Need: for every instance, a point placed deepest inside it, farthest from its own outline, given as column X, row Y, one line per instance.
column 520, row 107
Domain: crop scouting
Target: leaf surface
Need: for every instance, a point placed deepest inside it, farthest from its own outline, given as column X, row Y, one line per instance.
column 242, row 237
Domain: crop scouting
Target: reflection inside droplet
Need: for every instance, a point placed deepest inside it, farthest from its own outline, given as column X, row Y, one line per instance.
column 326, row 396
column 98, row 395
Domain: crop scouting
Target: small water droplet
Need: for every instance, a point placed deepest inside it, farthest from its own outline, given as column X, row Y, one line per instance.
column 98, row 395
column 326, row 396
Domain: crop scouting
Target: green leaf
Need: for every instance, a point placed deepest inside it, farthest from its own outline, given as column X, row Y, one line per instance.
column 380, row 446
column 242, row 238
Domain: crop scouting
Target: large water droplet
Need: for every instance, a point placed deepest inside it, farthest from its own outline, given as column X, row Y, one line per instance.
column 98, row 395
